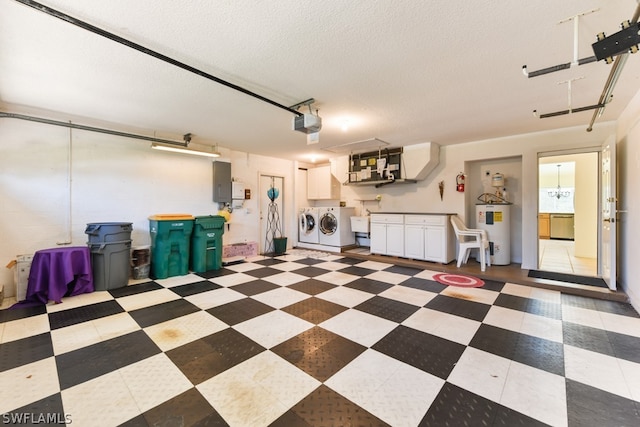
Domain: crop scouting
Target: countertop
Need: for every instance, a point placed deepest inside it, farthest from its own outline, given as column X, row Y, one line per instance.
column 557, row 213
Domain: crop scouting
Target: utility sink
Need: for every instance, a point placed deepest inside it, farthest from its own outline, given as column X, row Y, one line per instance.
column 360, row 224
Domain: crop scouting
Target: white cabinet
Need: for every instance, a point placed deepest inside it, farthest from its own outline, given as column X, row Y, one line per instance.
column 436, row 245
column 414, row 239
column 416, row 236
column 321, row 184
column 387, row 234
column 429, row 238
column 378, row 238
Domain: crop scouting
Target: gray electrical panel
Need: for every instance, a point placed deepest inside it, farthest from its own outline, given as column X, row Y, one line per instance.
column 221, row 182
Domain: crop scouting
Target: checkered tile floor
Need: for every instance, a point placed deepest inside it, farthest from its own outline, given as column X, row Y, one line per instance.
column 326, row 341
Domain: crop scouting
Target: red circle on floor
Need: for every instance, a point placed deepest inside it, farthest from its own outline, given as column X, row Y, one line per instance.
column 458, row 280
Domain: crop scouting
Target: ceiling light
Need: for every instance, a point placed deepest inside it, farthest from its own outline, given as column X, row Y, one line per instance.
column 185, row 150
column 344, row 125
column 559, row 192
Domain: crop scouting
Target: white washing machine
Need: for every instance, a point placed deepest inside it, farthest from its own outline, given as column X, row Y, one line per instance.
column 335, row 226
column 308, row 232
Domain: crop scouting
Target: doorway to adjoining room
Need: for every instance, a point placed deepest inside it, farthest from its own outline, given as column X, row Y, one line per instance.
column 568, row 214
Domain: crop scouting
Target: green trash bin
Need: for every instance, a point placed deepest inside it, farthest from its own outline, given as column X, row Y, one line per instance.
column 206, row 243
column 170, row 244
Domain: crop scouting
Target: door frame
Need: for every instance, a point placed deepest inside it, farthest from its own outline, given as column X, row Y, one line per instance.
column 608, row 214
column 584, row 150
column 263, row 202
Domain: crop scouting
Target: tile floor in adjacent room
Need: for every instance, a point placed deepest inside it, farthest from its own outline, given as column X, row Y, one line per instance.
column 322, row 341
column 559, row 256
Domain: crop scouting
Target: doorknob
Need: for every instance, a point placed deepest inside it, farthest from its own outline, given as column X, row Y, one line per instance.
column 609, row 220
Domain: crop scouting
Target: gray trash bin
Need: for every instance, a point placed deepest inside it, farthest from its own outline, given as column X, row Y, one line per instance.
column 110, row 247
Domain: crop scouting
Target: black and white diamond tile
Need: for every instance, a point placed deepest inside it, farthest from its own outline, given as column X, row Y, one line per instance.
column 324, row 407
column 319, row 352
column 314, row 310
column 257, row 391
column 322, row 341
column 397, row 393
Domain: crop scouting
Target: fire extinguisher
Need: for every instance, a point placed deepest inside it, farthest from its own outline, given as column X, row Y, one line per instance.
column 460, row 182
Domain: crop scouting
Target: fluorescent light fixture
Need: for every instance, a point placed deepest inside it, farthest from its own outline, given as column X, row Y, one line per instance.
column 184, row 150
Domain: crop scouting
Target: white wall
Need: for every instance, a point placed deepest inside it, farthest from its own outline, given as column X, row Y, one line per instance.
column 548, row 172
column 628, row 157
column 301, row 185
column 111, row 179
column 119, row 179
column 586, row 205
column 478, row 182
column 424, row 196
column 245, row 222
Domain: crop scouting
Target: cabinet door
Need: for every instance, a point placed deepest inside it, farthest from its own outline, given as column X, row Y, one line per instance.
column 544, row 226
column 435, row 244
column 395, row 239
column 414, row 241
column 323, row 182
column 321, row 185
column 312, row 183
column 378, row 238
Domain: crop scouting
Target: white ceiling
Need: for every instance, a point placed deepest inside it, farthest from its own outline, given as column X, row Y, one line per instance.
column 403, row 71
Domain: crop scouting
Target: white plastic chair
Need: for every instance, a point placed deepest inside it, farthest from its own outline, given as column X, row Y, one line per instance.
column 471, row 238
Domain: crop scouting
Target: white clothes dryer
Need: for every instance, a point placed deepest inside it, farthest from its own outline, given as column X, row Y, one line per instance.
column 335, row 226
column 308, row 232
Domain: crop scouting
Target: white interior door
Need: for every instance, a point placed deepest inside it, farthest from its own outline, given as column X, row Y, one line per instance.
column 608, row 202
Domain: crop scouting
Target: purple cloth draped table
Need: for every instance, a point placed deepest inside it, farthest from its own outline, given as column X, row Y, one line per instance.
column 59, row 272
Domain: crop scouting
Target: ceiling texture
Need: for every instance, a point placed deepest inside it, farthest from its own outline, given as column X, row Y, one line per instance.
column 402, row 71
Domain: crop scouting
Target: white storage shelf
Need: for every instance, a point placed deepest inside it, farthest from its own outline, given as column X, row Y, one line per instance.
column 427, row 237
